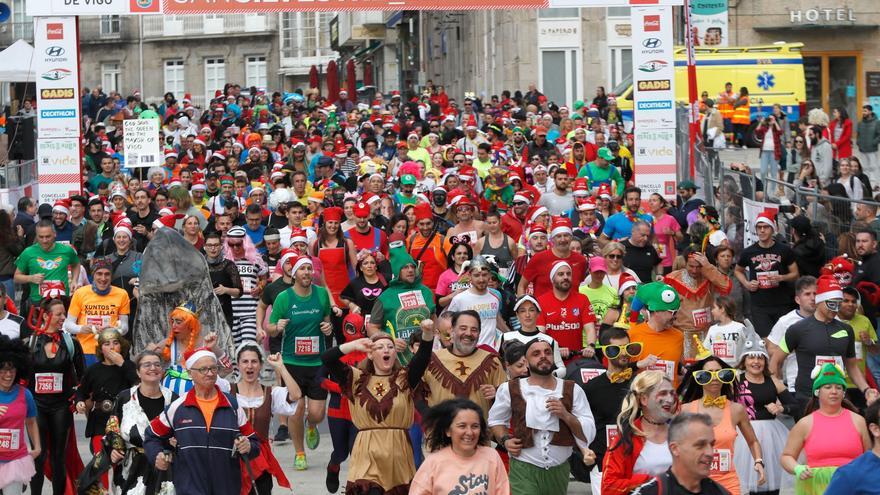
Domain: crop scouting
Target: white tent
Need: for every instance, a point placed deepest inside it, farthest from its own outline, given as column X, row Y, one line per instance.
column 16, row 63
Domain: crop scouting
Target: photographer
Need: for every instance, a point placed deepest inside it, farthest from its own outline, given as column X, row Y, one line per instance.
column 770, row 132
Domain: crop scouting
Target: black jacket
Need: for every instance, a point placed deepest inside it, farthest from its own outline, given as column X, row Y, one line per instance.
column 809, row 256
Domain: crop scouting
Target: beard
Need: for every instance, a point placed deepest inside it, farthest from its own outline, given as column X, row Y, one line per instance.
column 540, row 370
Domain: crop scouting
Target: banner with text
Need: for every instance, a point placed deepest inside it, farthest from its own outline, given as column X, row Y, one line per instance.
column 55, row 60
column 654, row 99
column 58, row 168
column 92, row 7
column 709, row 22
column 751, row 210
column 142, row 143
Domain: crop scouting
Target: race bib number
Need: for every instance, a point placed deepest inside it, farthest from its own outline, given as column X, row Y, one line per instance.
column 611, row 435
column 411, row 299
column 721, row 460
column 307, row 346
column 724, row 349
column 667, row 367
column 702, row 317
column 588, row 374
column 54, row 288
column 661, row 250
column 820, row 360
column 10, row 440
column 98, row 321
column 764, row 280
column 48, row 383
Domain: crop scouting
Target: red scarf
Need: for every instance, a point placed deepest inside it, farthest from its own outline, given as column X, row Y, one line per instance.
column 54, row 336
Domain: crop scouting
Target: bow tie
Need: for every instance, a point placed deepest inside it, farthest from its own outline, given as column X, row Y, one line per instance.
column 621, row 376
column 718, row 402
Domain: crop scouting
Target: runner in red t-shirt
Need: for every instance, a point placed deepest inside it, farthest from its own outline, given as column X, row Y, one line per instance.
column 567, row 316
column 366, row 236
column 537, row 271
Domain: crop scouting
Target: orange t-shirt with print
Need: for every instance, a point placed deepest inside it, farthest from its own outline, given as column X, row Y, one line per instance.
column 667, row 345
column 102, row 311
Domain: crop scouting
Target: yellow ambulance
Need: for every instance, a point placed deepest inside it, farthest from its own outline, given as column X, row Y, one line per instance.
column 772, row 74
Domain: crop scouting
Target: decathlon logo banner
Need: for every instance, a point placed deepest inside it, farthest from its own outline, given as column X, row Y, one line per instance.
column 55, row 57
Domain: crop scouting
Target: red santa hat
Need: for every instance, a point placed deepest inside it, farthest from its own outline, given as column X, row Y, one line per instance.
column 299, row 262
column 289, row 253
column 199, row 185
column 560, row 225
column 767, row 219
column 839, row 264
column 557, row 265
column 62, row 206
column 587, row 204
column 605, row 191
column 581, row 187
column 537, row 229
column 193, row 357
column 471, row 123
column 298, row 235
column 626, row 281
column 827, row 288
column 537, row 211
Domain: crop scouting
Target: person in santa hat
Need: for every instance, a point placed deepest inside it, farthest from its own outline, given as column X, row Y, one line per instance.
column 537, row 271
column 425, row 245
column 472, row 137
column 466, row 223
column 60, row 216
column 820, row 339
column 772, row 271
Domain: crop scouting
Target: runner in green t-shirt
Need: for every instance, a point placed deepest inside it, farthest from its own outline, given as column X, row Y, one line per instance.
column 44, row 265
column 301, row 314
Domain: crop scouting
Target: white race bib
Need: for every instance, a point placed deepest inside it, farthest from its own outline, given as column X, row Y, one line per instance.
column 48, row 383
column 588, row 374
column 611, row 435
column 820, row 360
column 307, row 346
column 721, row 460
column 667, row 367
column 10, row 440
column 764, row 281
column 702, row 317
column 724, row 349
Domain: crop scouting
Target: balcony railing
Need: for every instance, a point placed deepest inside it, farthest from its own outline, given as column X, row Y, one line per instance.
column 198, row 25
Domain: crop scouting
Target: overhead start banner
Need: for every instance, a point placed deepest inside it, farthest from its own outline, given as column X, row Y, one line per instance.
column 653, row 58
column 129, row 7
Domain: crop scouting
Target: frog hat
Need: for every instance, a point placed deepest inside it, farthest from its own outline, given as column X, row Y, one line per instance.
column 656, row 296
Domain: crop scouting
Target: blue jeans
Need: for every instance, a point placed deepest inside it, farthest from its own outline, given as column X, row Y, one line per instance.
column 873, row 362
column 770, row 165
column 415, row 439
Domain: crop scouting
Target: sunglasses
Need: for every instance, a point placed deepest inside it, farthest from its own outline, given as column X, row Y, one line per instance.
column 235, row 244
column 724, row 375
column 614, row 256
column 457, row 161
column 612, row 351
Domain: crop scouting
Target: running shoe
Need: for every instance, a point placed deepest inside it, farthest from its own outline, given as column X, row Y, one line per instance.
column 283, row 435
column 299, row 462
column 313, row 438
column 332, row 478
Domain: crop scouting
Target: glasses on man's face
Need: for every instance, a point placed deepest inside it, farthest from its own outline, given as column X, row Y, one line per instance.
column 724, row 375
column 612, row 351
column 206, row 370
column 236, row 244
column 457, row 161
column 212, row 246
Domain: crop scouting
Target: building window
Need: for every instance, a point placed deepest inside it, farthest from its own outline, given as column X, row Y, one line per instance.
column 174, row 81
column 559, row 13
column 215, row 76
column 110, row 76
column 306, row 34
column 617, row 12
column 110, row 25
column 621, row 65
column 255, row 72
column 22, row 25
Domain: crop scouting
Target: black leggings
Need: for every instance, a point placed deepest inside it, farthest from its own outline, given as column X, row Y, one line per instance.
column 264, row 485
column 54, row 427
column 342, row 432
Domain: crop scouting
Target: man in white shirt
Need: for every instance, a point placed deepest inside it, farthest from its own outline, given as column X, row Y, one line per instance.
column 805, row 297
column 478, row 298
column 548, row 416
